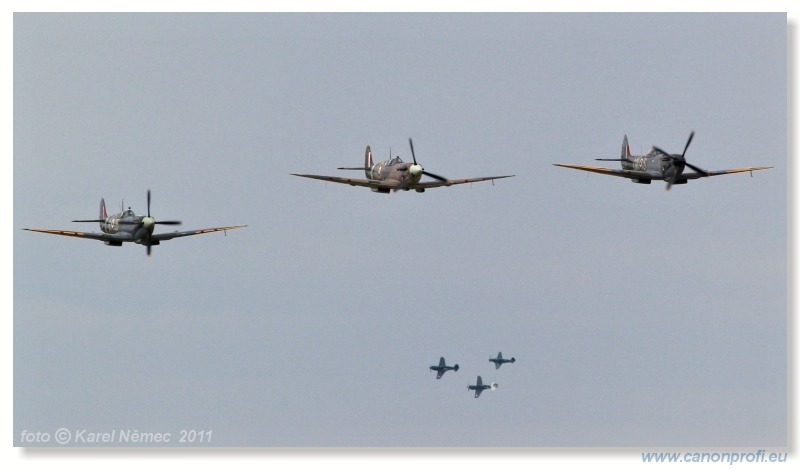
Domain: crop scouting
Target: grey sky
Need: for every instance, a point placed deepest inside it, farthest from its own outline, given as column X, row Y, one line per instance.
column 638, row 317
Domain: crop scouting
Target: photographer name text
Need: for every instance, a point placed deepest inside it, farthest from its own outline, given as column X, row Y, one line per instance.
column 66, row 436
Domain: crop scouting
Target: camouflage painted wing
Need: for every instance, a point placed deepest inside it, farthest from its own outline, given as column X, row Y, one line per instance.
column 625, row 173
column 641, row 175
column 180, row 234
column 350, row 181
column 723, row 172
column 117, row 237
column 453, row 182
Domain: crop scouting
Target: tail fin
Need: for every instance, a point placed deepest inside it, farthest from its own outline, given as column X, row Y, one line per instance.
column 626, row 149
column 103, row 212
column 368, row 162
column 625, row 154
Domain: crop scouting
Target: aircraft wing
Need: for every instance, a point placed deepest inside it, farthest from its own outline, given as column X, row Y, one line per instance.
column 391, row 186
column 180, row 234
column 723, row 172
column 478, row 392
column 122, row 237
column 351, row 181
column 643, row 175
column 625, row 173
column 439, row 373
column 453, row 182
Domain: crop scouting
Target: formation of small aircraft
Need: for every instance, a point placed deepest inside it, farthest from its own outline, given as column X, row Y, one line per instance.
column 478, row 387
column 394, row 175
column 127, row 227
column 657, row 165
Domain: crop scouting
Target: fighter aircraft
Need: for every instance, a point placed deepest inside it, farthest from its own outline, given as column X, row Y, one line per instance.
column 442, row 368
column 500, row 360
column 394, row 175
column 479, row 387
column 126, row 226
column 657, row 165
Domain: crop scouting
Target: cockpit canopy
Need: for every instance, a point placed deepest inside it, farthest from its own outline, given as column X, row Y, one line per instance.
column 394, row 161
column 128, row 214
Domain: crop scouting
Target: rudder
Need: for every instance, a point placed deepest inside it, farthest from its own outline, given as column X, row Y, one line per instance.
column 368, row 163
column 626, row 149
column 103, row 212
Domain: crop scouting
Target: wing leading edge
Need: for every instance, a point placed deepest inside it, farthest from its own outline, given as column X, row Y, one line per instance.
column 121, row 237
column 386, row 186
column 625, row 173
column 127, row 237
column 180, row 234
column 350, row 181
column 608, row 171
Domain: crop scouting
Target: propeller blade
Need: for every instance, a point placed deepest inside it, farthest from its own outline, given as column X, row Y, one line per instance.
column 699, row 170
column 691, row 136
column 149, row 250
column 148, row 203
column 169, row 222
column 411, row 144
column 414, row 157
column 435, row 176
column 671, row 181
column 663, row 152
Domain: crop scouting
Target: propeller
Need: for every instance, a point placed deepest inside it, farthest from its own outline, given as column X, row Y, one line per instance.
column 417, row 169
column 148, row 223
column 680, row 162
column 169, row 222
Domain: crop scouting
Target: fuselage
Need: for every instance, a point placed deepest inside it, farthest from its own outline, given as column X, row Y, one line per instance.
column 442, row 368
column 395, row 169
column 139, row 227
column 655, row 164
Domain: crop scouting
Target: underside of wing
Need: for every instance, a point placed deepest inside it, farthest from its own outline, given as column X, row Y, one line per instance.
column 722, row 172
column 624, row 173
column 349, row 181
column 439, row 373
column 118, row 237
column 453, row 182
column 180, row 234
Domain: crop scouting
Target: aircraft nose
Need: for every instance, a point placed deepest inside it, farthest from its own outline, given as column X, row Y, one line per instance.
column 148, row 223
column 415, row 169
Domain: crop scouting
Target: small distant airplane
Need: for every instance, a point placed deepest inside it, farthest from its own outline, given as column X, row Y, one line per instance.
column 394, row 175
column 500, row 360
column 127, row 227
column 657, row 165
column 479, row 387
column 441, row 368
